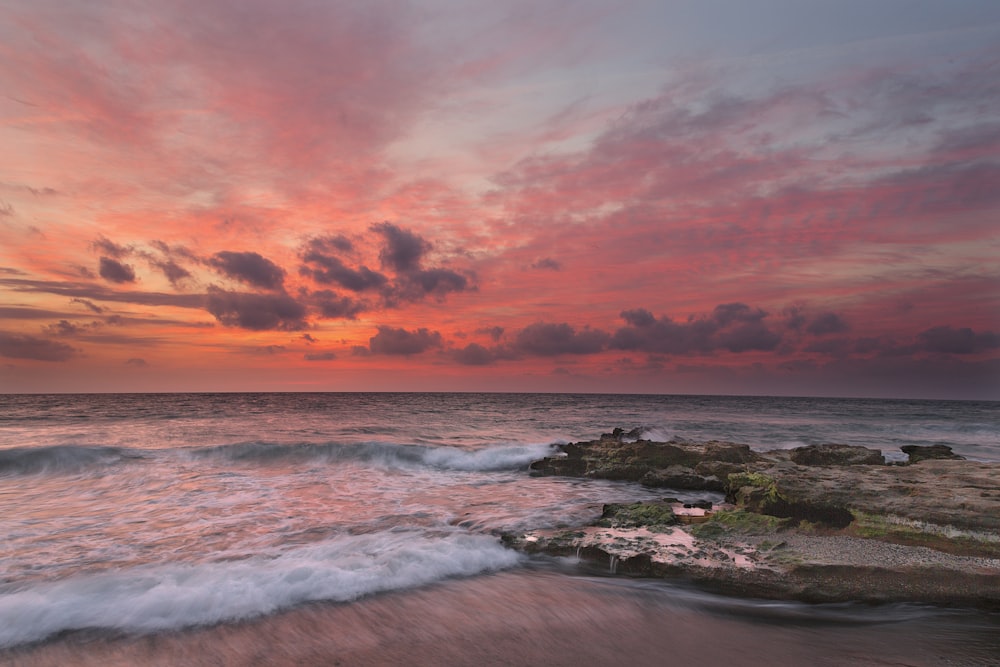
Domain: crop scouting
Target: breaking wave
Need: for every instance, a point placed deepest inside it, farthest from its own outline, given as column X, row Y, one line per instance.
column 508, row 457
column 168, row 597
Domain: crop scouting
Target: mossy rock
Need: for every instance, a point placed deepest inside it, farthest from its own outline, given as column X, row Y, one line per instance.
column 728, row 522
column 650, row 515
column 757, row 492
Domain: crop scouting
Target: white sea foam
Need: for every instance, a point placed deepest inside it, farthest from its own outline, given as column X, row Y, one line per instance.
column 491, row 458
column 657, row 433
column 174, row 596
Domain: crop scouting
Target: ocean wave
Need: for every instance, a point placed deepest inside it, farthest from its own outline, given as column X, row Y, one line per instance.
column 167, row 597
column 502, row 457
column 60, row 458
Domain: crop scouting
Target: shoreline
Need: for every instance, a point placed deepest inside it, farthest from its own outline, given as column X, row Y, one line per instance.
column 829, row 523
column 543, row 615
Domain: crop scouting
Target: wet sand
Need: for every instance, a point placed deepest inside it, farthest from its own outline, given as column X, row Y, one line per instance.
column 551, row 614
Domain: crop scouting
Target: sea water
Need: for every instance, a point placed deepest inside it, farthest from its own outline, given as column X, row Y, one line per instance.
column 308, row 528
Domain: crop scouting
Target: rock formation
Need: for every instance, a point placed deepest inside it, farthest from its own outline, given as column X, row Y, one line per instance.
column 816, row 523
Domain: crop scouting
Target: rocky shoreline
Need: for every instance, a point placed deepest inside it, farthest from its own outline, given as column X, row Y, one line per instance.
column 827, row 523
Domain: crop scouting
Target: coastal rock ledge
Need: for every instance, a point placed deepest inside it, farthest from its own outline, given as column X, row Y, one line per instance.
column 826, row 523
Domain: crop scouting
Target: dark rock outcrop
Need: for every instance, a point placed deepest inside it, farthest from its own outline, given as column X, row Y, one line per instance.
column 682, row 477
column 762, row 494
column 676, row 464
column 948, row 493
column 926, row 452
column 819, row 523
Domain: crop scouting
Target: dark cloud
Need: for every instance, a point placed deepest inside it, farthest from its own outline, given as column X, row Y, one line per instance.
column 544, row 339
column 729, row 313
column 136, row 362
column 330, row 244
column 328, row 269
column 174, row 272
column 735, row 327
column 22, row 313
column 474, row 354
column 65, row 328
column 827, row 323
column 334, row 306
column 750, row 336
column 116, row 271
column 418, row 285
column 439, row 281
column 948, row 340
column 248, row 267
column 111, row 248
column 496, row 333
column 403, row 250
column 795, row 319
column 168, row 264
column 547, row 263
column 639, row 317
column 665, row 336
column 119, row 321
column 173, row 250
column 390, row 340
column 320, row 356
column 89, row 305
column 401, row 255
column 101, row 293
column 256, row 312
column 18, row 346
column 309, row 338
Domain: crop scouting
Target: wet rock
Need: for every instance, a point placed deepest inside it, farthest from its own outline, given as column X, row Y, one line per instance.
column 947, row 493
column 836, row 455
column 551, row 465
column 718, row 469
column 681, row 477
column 650, row 515
column 762, row 494
column 727, row 452
column 700, row 504
column 860, row 530
column 925, row 452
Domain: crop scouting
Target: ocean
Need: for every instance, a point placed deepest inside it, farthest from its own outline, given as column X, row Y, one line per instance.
column 362, row 529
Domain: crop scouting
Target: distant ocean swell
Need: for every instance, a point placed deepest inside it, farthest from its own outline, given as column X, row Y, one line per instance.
column 61, row 458
column 166, row 597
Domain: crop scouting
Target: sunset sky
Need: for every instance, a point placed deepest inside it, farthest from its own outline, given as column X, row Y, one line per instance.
column 673, row 196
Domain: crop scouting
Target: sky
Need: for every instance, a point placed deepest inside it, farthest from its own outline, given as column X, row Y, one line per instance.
column 776, row 197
